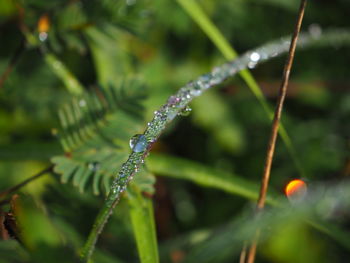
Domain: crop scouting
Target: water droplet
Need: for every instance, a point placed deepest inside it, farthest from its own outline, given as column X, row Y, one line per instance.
column 196, row 92
column 43, row 36
column 138, row 143
column 173, row 100
column 204, row 81
column 218, row 75
column 263, row 54
column 254, row 57
column 274, row 54
column 116, row 190
column 252, row 65
column 171, row 115
column 195, row 89
column 185, row 111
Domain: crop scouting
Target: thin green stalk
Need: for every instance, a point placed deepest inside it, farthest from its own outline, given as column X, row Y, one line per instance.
column 177, row 104
column 71, row 82
column 96, row 230
column 213, row 33
column 142, row 219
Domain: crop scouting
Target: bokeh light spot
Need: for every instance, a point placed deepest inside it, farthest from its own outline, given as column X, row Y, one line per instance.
column 296, row 189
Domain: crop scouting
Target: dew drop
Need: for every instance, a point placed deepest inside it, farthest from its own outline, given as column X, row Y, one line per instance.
column 218, row 75
column 252, row 65
column 138, row 143
column 195, row 89
column 173, row 100
column 204, row 81
column 255, row 56
column 116, row 190
column 185, row 112
column 196, row 92
column 43, row 36
column 171, row 115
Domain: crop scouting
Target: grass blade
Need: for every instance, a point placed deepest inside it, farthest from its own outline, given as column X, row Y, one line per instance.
column 213, row 33
column 205, row 176
column 142, row 219
column 61, row 71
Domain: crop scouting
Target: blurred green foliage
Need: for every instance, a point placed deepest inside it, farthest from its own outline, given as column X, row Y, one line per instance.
column 136, row 53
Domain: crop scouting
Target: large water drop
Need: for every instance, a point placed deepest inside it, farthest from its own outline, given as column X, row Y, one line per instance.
column 138, row 143
column 204, row 81
column 255, row 56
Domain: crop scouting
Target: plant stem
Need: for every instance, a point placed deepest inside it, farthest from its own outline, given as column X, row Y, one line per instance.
column 30, row 179
column 172, row 108
column 275, row 124
column 15, row 58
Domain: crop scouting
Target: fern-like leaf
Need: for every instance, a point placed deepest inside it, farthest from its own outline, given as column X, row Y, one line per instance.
column 96, row 128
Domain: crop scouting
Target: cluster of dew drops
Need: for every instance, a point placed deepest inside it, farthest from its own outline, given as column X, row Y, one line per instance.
column 178, row 105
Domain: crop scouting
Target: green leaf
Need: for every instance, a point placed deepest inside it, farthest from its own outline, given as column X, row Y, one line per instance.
column 96, row 128
column 142, row 219
column 205, row 176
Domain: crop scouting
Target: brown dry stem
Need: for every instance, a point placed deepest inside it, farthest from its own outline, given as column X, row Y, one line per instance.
column 275, row 125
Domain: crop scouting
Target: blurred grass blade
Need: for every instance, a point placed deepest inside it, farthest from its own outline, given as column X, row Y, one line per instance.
column 142, row 219
column 213, row 33
column 71, row 83
column 205, row 176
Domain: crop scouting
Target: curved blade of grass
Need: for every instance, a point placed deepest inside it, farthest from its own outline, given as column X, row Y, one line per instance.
column 169, row 110
column 71, row 83
column 61, row 71
column 142, row 219
column 203, row 175
column 213, row 33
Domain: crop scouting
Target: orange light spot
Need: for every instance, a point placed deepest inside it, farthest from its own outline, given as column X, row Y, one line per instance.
column 44, row 23
column 295, row 187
